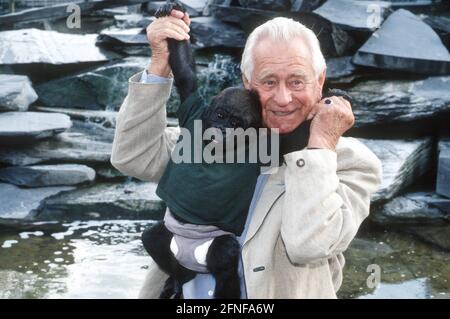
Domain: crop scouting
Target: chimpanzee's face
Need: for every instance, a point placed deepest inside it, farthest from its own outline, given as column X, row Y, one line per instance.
column 233, row 108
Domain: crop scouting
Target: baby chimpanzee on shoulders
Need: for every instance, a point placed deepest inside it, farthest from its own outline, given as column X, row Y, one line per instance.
column 207, row 204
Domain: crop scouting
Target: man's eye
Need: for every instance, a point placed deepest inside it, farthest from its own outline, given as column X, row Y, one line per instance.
column 297, row 83
column 269, row 83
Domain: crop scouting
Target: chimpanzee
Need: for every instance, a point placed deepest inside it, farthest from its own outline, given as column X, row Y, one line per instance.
column 207, row 204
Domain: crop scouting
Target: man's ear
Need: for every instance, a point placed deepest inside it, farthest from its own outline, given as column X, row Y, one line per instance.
column 321, row 79
column 246, row 82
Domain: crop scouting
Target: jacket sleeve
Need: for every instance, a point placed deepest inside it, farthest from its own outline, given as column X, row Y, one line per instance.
column 327, row 198
column 142, row 143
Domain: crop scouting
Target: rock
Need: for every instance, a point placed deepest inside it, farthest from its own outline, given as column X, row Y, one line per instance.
column 441, row 25
column 340, row 69
column 20, row 127
column 16, row 93
column 133, row 20
column 106, row 119
column 67, row 147
column 403, row 162
column 103, row 88
column 33, row 46
column 209, row 32
column 388, row 102
column 47, row 175
column 334, row 41
column 305, row 5
column 20, row 201
column 110, row 174
column 395, row 47
column 438, row 235
column 193, row 7
column 354, row 15
column 129, row 41
column 411, row 208
column 11, row 225
column 275, row 5
column 134, row 200
column 443, row 172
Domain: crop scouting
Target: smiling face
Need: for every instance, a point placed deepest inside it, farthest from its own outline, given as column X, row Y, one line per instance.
column 285, row 80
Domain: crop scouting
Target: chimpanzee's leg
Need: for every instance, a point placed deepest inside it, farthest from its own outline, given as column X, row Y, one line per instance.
column 222, row 261
column 156, row 240
column 181, row 59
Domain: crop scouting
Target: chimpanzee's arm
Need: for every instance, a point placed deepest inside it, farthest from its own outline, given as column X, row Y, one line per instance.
column 181, row 59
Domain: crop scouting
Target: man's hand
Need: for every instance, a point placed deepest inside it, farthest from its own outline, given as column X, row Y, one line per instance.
column 176, row 26
column 329, row 122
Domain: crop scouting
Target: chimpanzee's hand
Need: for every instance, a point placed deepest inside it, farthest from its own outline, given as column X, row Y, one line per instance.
column 166, row 9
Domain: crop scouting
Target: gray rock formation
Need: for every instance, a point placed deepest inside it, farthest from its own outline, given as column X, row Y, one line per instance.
column 67, row 147
column 411, row 208
column 275, row 5
column 406, row 43
column 129, row 41
column 103, row 201
column 438, row 235
column 18, row 127
column 354, row 15
column 21, row 201
column 209, row 32
column 106, row 119
column 47, row 175
column 385, row 102
column 16, row 93
column 28, row 46
column 102, row 88
column 443, row 172
column 403, row 162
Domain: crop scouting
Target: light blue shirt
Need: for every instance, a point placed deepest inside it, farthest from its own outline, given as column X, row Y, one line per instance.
column 202, row 286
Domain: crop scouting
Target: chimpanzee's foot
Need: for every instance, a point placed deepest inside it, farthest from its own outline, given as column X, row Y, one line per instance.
column 165, row 9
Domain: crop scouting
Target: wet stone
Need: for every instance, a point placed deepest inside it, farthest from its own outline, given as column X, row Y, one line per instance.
column 102, row 88
column 395, row 46
column 411, row 208
column 354, row 15
column 443, row 172
column 16, row 93
column 382, row 102
column 47, row 175
column 21, row 201
column 18, row 127
column 132, row 200
column 35, row 46
column 210, row 32
column 275, row 5
column 403, row 162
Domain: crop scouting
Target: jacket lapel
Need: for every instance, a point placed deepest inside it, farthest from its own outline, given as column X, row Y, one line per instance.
column 272, row 190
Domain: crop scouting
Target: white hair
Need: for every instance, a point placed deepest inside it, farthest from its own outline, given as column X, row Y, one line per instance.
column 282, row 29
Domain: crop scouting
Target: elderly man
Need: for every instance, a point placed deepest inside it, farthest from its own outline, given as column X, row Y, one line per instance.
column 302, row 217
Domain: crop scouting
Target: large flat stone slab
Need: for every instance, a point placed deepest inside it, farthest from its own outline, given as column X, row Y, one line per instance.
column 67, row 147
column 17, row 127
column 208, row 32
column 16, row 93
column 395, row 46
column 33, row 46
column 354, row 15
column 21, row 201
column 412, row 208
column 382, row 102
column 47, row 175
column 133, row 200
column 443, row 171
column 403, row 162
column 131, row 41
column 102, row 88
column 334, row 41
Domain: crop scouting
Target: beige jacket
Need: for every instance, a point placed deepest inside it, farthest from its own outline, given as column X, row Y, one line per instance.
column 307, row 215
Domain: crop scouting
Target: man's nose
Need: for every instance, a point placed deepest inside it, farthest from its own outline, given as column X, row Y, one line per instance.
column 283, row 95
